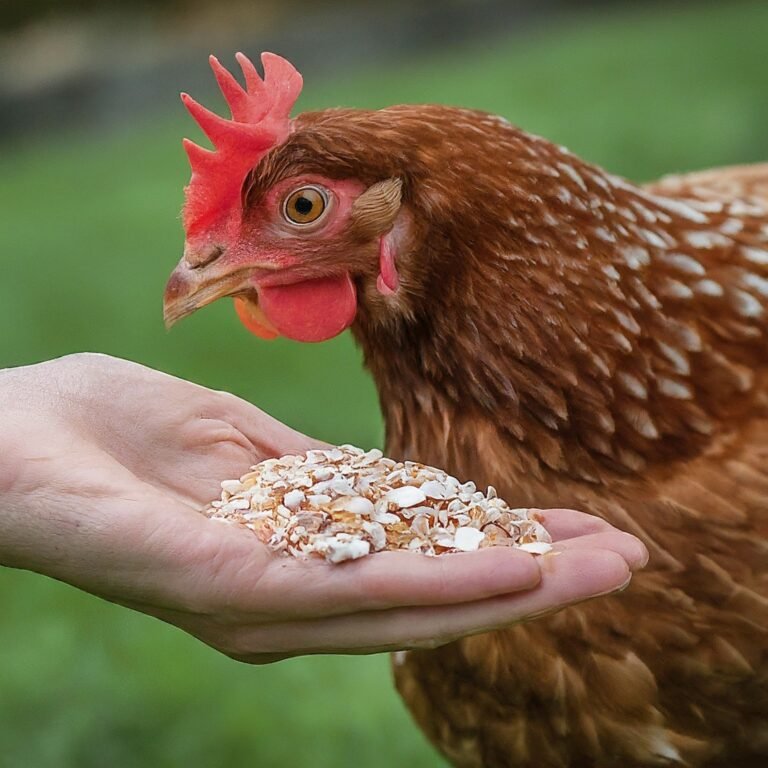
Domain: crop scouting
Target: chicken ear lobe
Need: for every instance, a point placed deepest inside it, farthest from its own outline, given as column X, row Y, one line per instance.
column 374, row 212
column 388, row 280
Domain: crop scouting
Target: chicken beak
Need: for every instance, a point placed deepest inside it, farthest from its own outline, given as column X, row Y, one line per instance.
column 198, row 281
column 200, row 278
column 306, row 309
column 190, row 288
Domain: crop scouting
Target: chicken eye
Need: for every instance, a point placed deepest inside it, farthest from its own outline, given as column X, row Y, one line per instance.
column 305, row 205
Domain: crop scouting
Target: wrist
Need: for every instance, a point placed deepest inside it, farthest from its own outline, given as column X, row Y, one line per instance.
column 16, row 455
column 10, row 461
column 11, row 519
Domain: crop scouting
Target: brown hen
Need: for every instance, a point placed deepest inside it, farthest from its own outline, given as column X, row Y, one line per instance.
column 537, row 324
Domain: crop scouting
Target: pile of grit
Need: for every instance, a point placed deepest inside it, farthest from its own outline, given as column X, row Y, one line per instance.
column 344, row 503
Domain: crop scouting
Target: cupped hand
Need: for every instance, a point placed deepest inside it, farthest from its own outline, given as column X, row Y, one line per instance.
column 105, row 464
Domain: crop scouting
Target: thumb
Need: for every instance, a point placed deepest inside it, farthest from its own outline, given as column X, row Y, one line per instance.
column 269, row 436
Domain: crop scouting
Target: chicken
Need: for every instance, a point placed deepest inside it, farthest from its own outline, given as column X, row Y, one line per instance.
column 543, row 326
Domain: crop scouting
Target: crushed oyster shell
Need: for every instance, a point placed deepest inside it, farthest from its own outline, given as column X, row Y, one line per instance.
column 345, row 503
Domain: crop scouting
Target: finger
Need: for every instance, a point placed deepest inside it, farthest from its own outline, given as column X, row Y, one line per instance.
column 255, row 582
column 624, row 544
column 568, row 523
column 227, row 571
column 236, row 573
column 221, row 570
column 192, row 474
column 395, row 579
column 569, row 576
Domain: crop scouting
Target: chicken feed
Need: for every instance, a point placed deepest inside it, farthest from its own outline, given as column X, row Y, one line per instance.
column 344, row 503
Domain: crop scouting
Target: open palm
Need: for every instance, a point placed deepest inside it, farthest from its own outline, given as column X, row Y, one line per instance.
column 106, row 463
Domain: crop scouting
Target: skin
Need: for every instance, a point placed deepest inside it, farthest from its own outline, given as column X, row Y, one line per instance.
column 104, row 464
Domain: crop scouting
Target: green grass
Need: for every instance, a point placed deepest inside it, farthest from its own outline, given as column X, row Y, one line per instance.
column 89, row 231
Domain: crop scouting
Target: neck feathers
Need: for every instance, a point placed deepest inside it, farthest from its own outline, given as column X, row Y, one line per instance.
column 600, row 326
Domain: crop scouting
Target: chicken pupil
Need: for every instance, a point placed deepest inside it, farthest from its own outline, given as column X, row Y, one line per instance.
column 303, row 205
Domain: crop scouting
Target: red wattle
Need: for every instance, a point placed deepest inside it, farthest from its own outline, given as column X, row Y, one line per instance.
column 312, row 310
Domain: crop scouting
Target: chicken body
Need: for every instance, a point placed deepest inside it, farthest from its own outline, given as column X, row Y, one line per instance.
column 609, row 353
column 575, row 341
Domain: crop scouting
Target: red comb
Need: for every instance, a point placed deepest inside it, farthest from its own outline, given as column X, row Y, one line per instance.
column 260, row 120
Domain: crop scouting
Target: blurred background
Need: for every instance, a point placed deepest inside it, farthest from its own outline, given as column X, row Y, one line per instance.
column 91, row 177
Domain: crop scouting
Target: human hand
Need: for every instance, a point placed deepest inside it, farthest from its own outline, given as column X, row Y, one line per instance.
column 104, row 465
